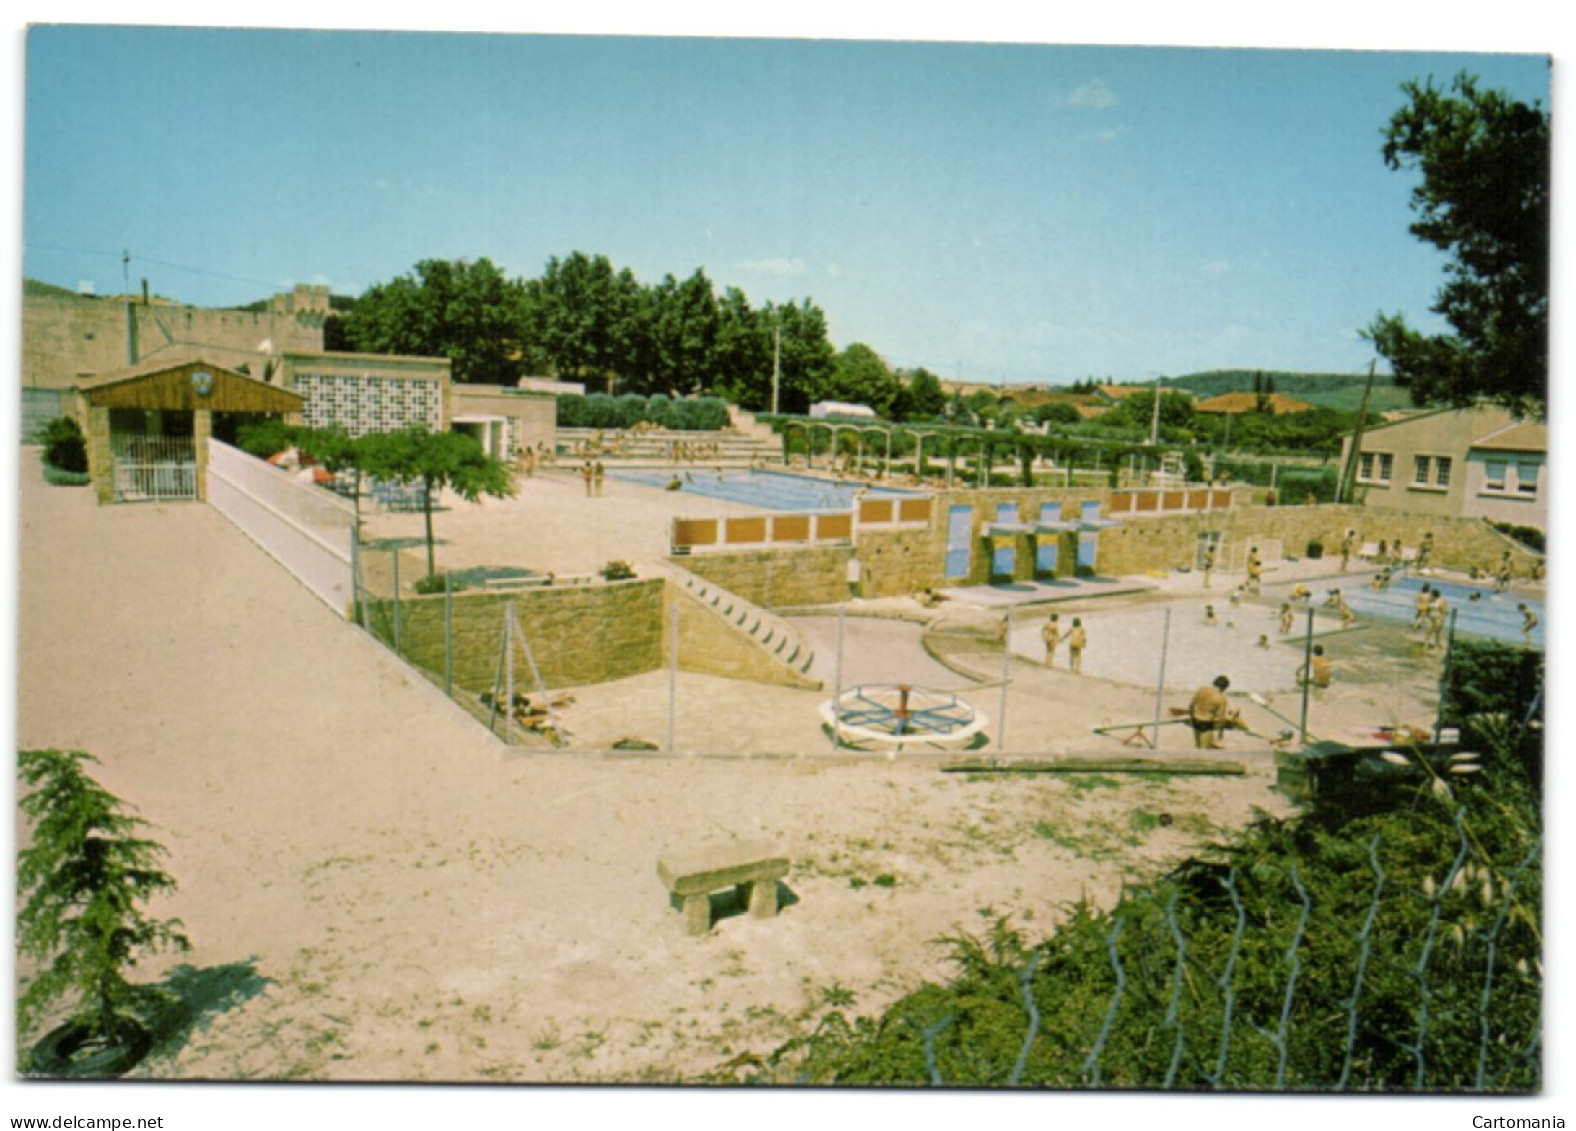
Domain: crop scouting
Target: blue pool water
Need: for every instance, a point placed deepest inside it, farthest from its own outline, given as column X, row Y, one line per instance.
column 769, row 490
column 1493, row 615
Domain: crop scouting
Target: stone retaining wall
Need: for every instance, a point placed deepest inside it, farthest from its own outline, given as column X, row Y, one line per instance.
column 779, row 577
column 580, row 635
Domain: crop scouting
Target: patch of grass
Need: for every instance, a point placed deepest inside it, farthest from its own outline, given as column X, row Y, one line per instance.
column 837, row 996
column 1093, row 847
column 1086, row 783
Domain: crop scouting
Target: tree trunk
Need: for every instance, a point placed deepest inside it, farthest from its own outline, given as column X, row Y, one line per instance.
column 426, row 506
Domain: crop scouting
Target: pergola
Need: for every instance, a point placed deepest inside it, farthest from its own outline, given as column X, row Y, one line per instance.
column 861, row 429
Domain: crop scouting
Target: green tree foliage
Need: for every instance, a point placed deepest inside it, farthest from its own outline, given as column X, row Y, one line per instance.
column 81, row 889
column 1317, row 431
column 744, row 351
column 926, row 398
column 467, row 312
column 684, row 327
column 64, row 446
column 860, row 376
column 434, row 461
column 1057, row 412
column 1483, row 199
column 586, row 321
column 264, row 438
column 1137, row 411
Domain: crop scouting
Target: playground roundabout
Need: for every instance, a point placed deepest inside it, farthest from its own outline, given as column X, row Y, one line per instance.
column 892, row 716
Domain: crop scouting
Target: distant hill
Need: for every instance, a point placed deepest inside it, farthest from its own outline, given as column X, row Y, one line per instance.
column 34, row 288
column 1327, row 390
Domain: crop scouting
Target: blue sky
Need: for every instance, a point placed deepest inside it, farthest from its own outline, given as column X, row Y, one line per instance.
column 994, row 212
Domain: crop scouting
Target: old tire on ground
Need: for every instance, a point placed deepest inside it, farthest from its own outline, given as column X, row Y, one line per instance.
column 72, row 1051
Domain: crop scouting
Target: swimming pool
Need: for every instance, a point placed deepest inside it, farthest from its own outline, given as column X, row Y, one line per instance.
column 1493, row 615
column 769, row 490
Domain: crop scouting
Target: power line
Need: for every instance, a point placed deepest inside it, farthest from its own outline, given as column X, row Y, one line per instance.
column 156, row 262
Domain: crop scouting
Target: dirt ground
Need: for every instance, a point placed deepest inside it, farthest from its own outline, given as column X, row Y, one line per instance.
column 377, row 890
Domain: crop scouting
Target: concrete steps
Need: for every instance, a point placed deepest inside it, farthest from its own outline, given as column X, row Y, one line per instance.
column 770, row 635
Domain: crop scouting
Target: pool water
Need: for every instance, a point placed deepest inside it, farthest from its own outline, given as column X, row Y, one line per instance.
column 1492, row 615
column 769, row 490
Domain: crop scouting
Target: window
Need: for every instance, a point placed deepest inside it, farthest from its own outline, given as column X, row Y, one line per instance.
column 1527, row 478
column 1494, row 472
column 1375, row 467
column 1431, row 473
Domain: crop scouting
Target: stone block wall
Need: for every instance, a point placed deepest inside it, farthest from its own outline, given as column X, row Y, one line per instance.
column 712, row 645
column 901, row 561
column 779, row 577
column 896, row 561
column 67, row 337
column 578, row 635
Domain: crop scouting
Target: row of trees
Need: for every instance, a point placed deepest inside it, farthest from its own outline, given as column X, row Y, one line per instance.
column 585, row 320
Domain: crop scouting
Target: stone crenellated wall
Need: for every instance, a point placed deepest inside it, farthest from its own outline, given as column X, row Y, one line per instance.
column 68, row 337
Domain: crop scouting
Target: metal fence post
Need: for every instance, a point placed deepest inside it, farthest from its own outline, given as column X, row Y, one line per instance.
column 448, row 636
column 1160, row 680
column 395, row 554
column 1006, row 677
column 673, row 675
column 508, row 674
column 837, row 677
column 1444, row 678
column 357, row 606
column 1307, row 674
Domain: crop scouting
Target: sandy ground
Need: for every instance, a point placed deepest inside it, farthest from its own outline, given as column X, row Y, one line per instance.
column 427, row 904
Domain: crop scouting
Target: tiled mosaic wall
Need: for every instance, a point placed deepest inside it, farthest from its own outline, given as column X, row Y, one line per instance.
column 369, row 404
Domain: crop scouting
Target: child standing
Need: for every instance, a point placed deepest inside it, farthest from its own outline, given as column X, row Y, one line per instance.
column 1077, row 639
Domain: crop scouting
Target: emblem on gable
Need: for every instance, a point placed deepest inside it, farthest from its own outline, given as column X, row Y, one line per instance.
column 202, row 383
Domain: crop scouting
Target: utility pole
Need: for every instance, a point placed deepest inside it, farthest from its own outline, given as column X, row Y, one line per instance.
column 1344, row 487
column 777, row 362
column 131, row 310
column 1154, row 422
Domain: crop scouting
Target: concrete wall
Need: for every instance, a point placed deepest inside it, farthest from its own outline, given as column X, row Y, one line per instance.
column 1518, row 494
column 533, row 416
column 578, row 635
column 68, row 337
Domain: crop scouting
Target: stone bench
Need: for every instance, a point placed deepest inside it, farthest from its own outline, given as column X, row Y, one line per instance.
column 752, row 869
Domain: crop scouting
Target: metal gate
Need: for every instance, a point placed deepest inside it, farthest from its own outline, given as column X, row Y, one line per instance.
column 154, row 468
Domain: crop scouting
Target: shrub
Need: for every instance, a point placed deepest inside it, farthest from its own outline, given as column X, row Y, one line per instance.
column 64, row 447
column 79, row 890
column 617, row 571
column 686, row 414
column 57, row 478
column 1529, row 536
column 426, row 586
